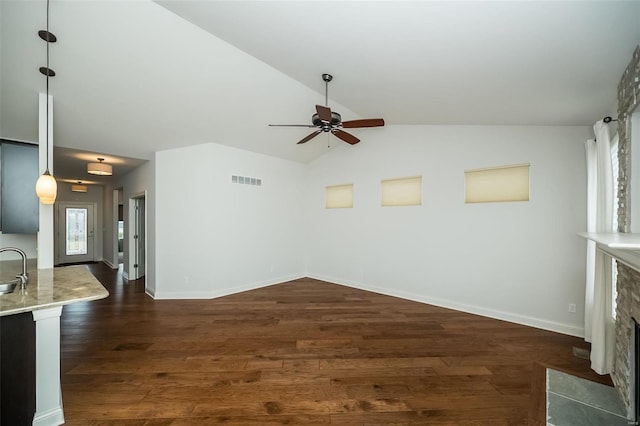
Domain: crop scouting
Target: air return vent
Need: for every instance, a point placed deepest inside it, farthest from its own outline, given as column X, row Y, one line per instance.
column 246, row 180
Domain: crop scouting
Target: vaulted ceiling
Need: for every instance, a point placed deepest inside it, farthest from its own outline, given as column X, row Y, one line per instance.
column 136, row 77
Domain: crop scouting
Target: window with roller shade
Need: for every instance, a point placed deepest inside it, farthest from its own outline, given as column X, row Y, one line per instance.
column 402, row 191
column 497, row 184
column 339, row 196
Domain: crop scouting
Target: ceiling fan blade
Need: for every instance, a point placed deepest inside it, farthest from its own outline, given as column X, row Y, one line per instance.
column 291, row 125
column 368, row 122
column 324, row 113
column 347, row 137
column 309, row 137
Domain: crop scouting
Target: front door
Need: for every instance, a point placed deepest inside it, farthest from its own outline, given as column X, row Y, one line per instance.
column 75, row 232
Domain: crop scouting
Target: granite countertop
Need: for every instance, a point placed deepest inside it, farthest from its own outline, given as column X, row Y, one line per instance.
column 48, row 288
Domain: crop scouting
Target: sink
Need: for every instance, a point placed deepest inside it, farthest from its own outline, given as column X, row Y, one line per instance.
column 8, row 287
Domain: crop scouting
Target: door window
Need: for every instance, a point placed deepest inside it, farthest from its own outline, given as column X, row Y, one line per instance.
column 76, row 233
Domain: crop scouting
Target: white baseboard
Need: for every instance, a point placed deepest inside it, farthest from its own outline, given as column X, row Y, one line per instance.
column 52, row 417
column 472, row 309
column 211, row 294
column 109, row 264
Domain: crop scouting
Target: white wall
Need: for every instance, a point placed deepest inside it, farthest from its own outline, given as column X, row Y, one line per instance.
column 214, row 237
column 94, row 195
column 517, row 261
column 26, row 242
column 109, row 227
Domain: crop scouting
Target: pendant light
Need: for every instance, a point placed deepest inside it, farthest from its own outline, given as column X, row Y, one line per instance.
column 46, row 186
column 100, row 168
column 79, row 187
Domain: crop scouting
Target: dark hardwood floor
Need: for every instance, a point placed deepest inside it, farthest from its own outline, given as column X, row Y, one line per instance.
column 302, row 352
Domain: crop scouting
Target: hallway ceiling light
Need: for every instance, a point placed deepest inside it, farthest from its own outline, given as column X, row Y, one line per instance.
column 100, row 168
column 79, row 187
column 46, row 186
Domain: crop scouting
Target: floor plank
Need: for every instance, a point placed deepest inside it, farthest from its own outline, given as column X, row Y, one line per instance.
column 302, row 352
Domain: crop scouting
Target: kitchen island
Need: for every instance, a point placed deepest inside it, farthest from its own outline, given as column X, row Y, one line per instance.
column 30, row 336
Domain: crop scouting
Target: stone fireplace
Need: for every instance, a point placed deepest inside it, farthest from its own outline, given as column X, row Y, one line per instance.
column 628, row 308
column 628, row 284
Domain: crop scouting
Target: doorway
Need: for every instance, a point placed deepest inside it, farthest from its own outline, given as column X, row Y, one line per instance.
column 118, row 227
column 75, row 229
column 137, row 239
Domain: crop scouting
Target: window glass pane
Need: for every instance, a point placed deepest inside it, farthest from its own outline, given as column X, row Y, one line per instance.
column 402, row 192
column 497, row 184
column 339, row 197
column 76, row 239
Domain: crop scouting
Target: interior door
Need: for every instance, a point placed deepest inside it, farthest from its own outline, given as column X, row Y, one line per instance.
column 139, row 237
column 76, row 229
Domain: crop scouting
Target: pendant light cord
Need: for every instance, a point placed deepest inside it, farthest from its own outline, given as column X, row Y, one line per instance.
column 48, row 72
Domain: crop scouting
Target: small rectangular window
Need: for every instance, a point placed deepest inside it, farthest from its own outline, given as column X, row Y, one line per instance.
column 402, row 192
column 497, row 184
column 339, row 196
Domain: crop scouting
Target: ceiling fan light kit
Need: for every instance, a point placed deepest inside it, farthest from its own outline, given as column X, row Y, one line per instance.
column 329, row 121
column 100, row 168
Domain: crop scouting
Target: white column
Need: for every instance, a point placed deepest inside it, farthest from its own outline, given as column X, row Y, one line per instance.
column 45, row 235
column 48, row 390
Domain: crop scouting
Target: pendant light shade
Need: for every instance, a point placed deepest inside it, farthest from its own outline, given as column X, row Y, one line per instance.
column 46, row 188
column 79, row 187
column 100, row 169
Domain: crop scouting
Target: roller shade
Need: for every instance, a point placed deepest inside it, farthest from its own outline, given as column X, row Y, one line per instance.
column 339, row 196
column 402, row 191
column 497, row 184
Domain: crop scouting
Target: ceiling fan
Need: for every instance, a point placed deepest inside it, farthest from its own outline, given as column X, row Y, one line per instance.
column 330, row 121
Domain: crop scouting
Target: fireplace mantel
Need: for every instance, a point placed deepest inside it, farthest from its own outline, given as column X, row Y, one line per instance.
column 624, row 247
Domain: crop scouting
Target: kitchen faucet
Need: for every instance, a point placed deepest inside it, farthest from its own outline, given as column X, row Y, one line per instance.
column 23, row 277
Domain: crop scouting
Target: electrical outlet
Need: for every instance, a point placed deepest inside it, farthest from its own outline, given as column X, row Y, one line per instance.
column 572, row 308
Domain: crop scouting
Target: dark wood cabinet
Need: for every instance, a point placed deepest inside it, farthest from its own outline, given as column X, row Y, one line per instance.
column 19, row 205
column 17, row 369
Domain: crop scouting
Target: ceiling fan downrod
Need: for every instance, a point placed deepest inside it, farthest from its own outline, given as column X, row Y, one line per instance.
column 327, row 78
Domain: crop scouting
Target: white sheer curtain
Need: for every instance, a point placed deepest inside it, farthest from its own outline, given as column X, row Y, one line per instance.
column 599, row 324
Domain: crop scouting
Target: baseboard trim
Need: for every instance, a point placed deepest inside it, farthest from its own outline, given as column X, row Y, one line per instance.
column 53, row 417
column 450, row 304
column 212, row 294
column 109, row 264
